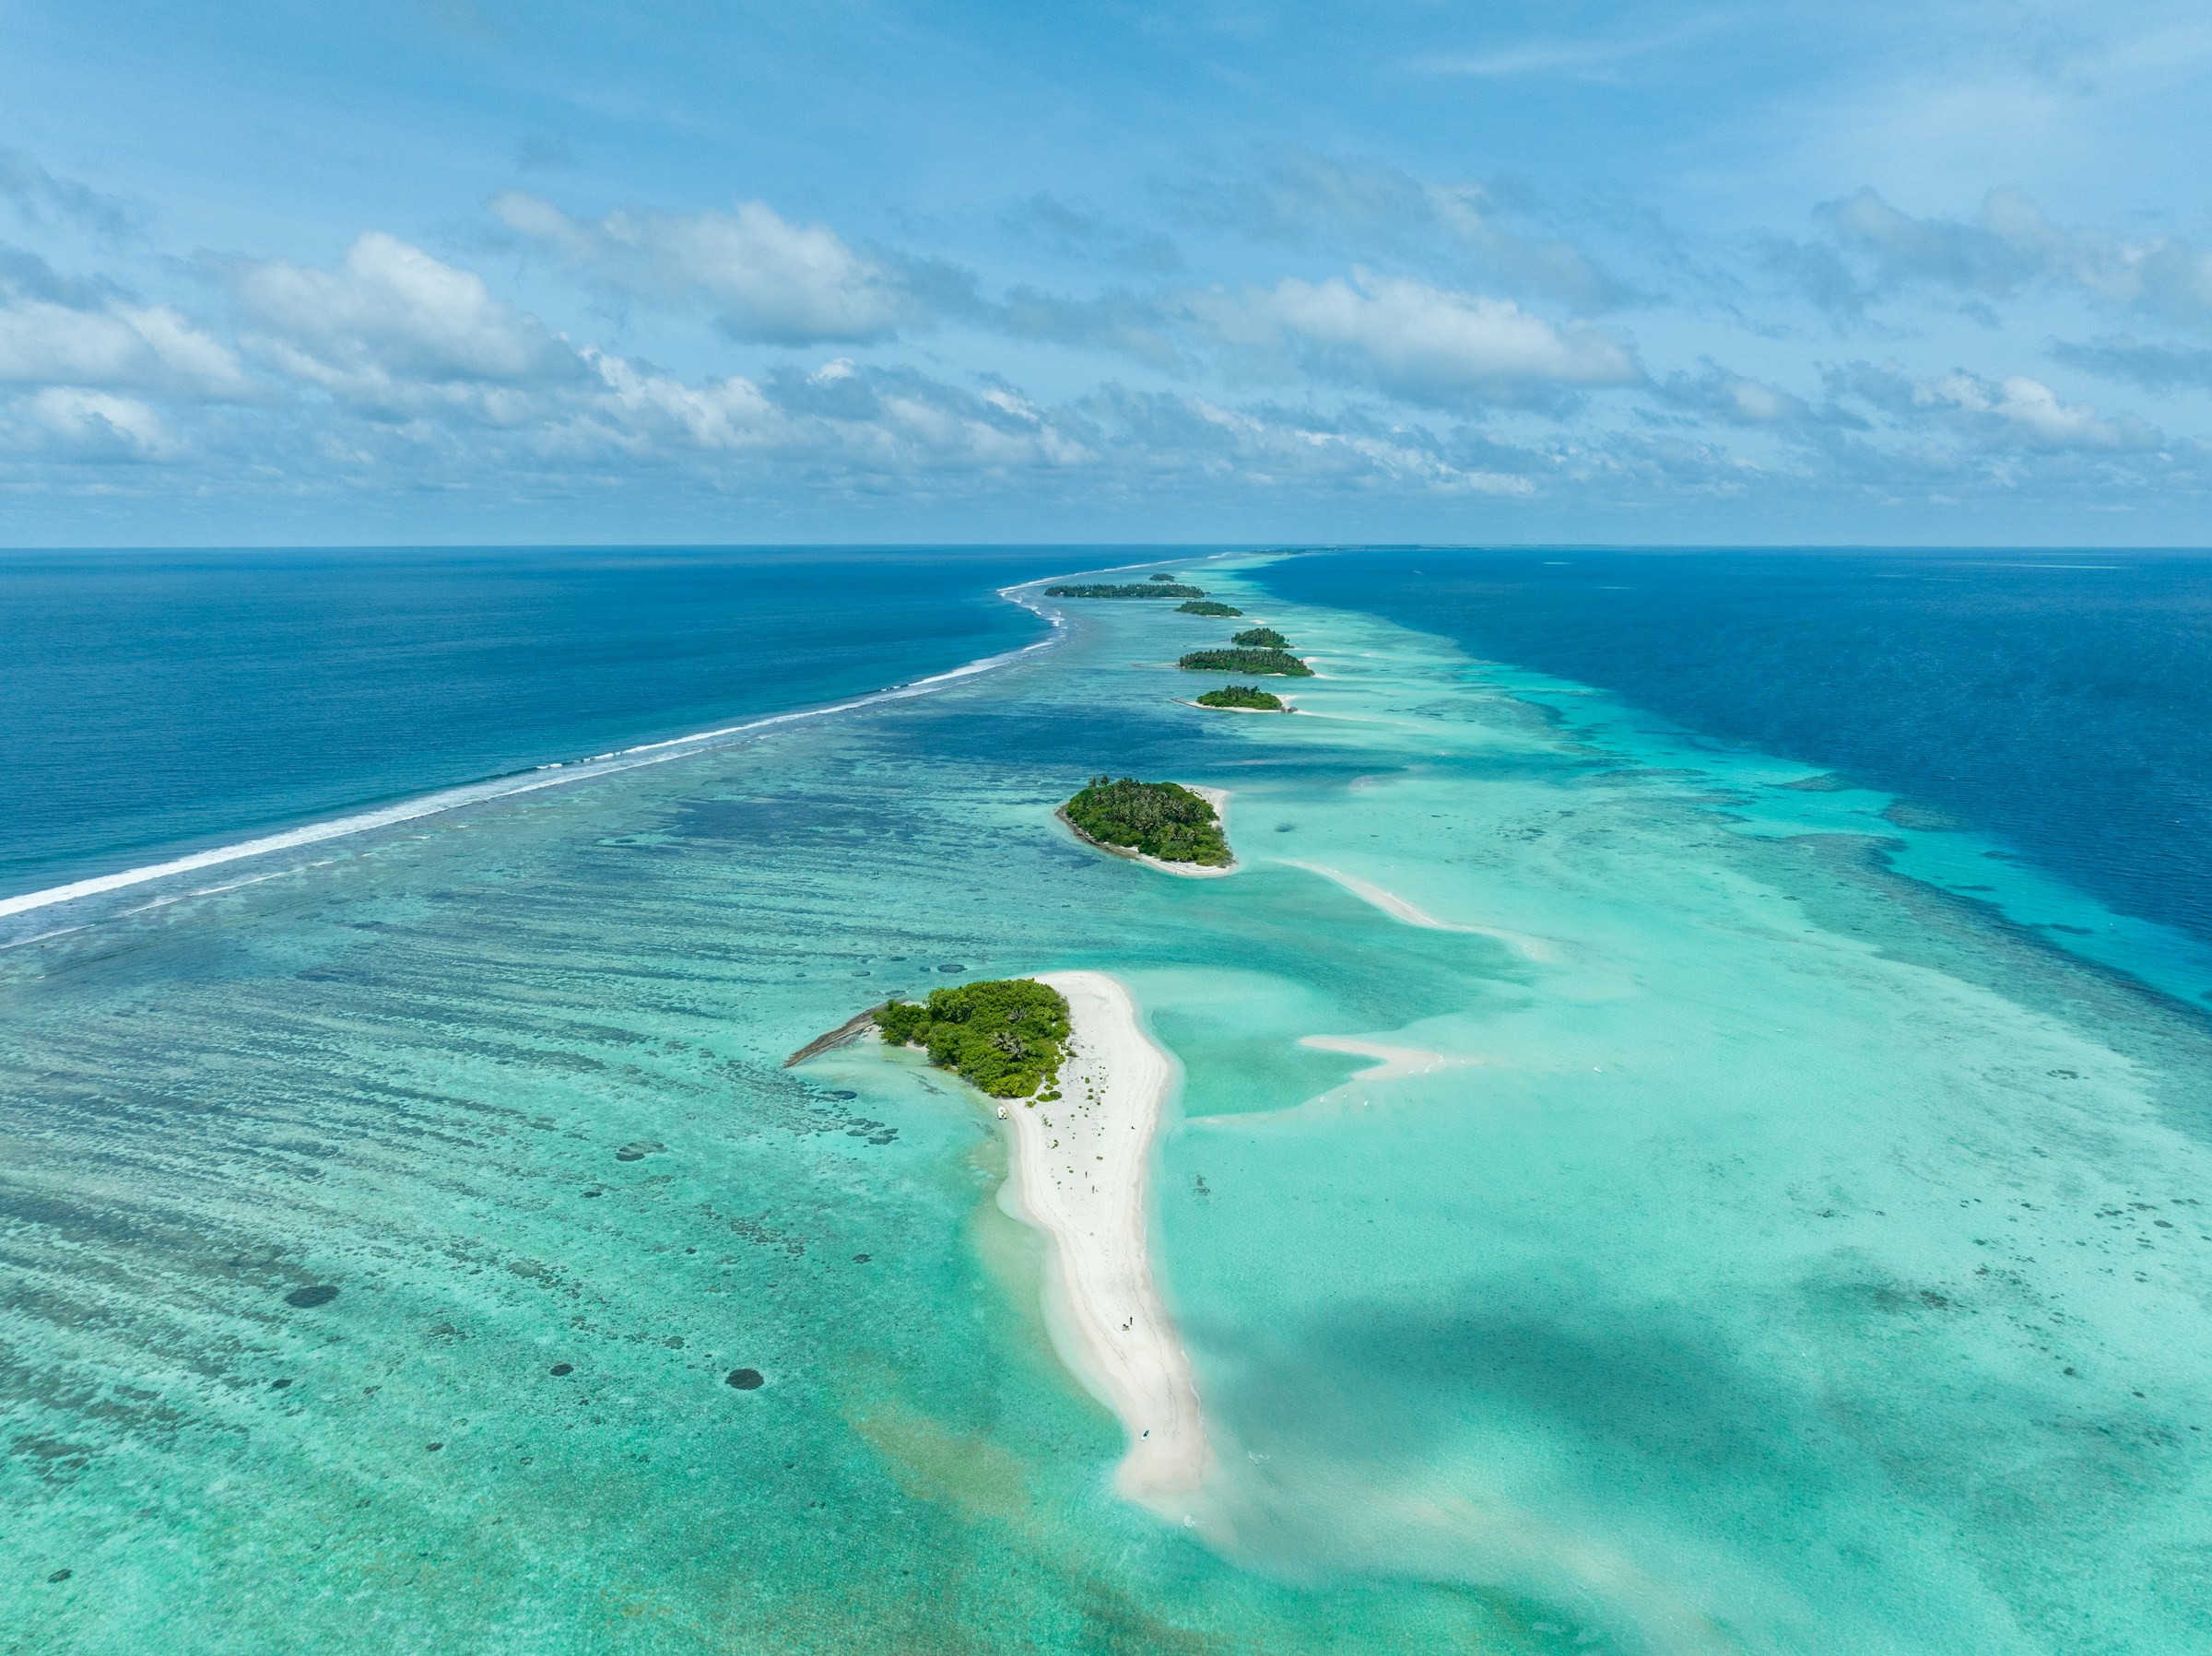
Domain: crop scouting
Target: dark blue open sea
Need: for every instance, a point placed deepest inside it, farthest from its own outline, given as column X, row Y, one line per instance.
column 161, row 701
column 2059, row 700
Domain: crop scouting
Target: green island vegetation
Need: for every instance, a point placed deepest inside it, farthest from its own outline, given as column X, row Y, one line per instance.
column 1008, row 1036
column 1160, row 578
column 1141, row 589
column 1206, row 606
column 1249, row 696
column 1160, row 819
column 1261, row 638
column 1245, row 661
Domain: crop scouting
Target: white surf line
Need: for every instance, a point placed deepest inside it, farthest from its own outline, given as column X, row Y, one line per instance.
column 1082, row 1168
column 555, row 775
column 1397, row 908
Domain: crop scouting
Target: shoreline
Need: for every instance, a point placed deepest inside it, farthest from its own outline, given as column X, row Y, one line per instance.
column 1081, row 1173
column 1184, row 702
column 552, row 773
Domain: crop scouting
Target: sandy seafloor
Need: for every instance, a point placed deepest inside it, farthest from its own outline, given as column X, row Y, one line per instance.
column 1769, row 1253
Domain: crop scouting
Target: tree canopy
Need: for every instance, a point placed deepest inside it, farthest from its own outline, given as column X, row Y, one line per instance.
column 1008, row 1036
column 1160, row 819
column 1248, row 696
column 1139, row 589
column 1245, row 661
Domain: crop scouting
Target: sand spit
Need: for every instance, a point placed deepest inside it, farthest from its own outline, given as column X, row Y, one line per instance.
column 845, row 1034
column 1397, row 908
column 1081, row 1172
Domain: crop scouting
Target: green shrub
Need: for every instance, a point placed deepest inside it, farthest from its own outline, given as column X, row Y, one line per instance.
column 1245, row 661
column 1161, row 819
column 1243, row 696
column 1008, row 1036
column 1142, row 588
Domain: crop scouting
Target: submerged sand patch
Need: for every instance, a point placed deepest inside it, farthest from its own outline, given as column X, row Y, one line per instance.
column 1398, row 908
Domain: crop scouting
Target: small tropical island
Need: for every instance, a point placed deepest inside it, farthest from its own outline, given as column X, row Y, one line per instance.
column 1206, row 606
column 1165, row 821
column 1249, row 697
column 1261, row 638
column 1135, row 589
column 1007, row 1037
column 1245, row 661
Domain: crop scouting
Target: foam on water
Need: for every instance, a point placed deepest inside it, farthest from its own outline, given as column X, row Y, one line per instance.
column 1783, row 1253
column 449, row 799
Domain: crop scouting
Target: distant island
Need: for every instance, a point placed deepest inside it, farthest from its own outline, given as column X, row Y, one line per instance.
column 1140, row 589
column 1165, row 821
column 1243, row 696
column 1008, row 1036
column 1261, row 638
column 1245, row 661
column 1206, row 606
column 1160, row 578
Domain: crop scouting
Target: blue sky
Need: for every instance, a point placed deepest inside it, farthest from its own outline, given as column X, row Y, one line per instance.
column 462, row 270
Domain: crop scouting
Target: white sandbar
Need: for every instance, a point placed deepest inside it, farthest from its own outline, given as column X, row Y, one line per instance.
column 1081, row 1169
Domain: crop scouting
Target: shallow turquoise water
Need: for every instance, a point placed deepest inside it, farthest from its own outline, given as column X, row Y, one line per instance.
column 1779, row 1253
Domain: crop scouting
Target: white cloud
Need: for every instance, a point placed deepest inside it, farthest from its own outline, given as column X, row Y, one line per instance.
column 43, row 341
column 393, row 328
column 72, row 423
column 764, row 278
column 2011, row 243
column 2013, row 414
column 1370, row 209
column 1734, row 399
column 1417, row 342
column 2030, row 412
column 642, row 407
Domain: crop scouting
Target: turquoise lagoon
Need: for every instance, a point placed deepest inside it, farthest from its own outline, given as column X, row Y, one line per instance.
column 1750, row 1248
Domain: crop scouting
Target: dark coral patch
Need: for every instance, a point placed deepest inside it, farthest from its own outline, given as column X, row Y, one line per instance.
column 321, row 1293
column 747, row 1379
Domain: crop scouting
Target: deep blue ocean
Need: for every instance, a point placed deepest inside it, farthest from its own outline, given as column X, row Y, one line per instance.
column 2061, row 701
column 163, row 700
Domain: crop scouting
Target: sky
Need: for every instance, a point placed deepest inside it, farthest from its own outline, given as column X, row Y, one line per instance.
column 474, row 271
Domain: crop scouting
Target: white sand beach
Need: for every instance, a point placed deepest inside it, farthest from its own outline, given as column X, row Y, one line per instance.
column 1081, row 1172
